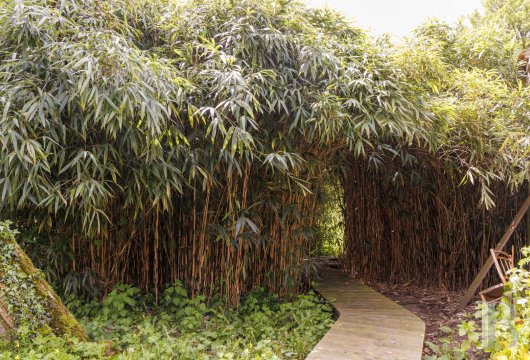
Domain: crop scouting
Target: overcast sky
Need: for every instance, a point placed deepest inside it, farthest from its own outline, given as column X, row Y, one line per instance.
column 398, row 17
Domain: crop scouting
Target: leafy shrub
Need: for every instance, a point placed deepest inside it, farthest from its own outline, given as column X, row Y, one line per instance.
column 190, row 312
column 130, row 326
column 117, row 303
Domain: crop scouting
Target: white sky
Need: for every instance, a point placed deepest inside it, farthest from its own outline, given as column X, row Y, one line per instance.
column 398, row 17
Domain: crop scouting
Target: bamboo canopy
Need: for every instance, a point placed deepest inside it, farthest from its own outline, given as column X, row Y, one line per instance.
column 165, row 140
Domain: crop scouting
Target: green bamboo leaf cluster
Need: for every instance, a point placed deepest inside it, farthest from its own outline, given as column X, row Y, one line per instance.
column 105, row 100
column 203, row 127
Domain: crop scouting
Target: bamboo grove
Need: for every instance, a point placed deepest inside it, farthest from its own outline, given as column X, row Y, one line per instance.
column 420, row 226
column 424, row 220
column 159, row 140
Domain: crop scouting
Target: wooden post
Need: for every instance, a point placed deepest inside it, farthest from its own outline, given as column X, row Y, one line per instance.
column 528, row 221
column 482, row 273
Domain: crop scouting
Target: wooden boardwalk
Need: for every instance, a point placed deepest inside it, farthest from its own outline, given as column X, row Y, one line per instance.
column 370, row 326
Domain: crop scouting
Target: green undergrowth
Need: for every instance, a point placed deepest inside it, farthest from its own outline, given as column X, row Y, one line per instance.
column 128, row 325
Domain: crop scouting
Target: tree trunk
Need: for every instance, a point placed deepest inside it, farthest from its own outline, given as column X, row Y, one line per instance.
column 17, row 275
column 6, row 322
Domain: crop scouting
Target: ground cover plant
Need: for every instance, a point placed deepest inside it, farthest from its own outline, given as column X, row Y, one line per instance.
column 127, row 325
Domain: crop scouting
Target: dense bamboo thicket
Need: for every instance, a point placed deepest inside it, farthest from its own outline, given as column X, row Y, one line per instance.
column 419, row 225
column 159, row 140
column 212, row 241
column 182, row 140
column 419, row 217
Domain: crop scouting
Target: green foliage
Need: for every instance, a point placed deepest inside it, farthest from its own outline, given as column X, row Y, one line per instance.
column 85, row 112
column 207, row 125
column 189, row 311
column 330, row 225
column 113, row 111
column 469, row 76
column 512, row 15
column 18, row 290
column 219, row 84
column 6, row 3
column 185, row 328
column 452, row 346
column 119, row 301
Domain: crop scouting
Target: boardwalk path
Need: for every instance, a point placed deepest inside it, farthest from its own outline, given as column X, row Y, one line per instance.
column 370, row 325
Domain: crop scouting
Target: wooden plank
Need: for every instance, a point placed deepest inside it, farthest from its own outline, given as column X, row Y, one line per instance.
column 502, row 243
column 370, row 326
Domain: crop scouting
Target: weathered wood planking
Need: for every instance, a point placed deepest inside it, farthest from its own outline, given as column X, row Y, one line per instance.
column 370, row 326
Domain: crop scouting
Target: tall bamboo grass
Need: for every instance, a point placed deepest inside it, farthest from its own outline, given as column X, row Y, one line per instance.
column 253, row 230
column 419, row 225
column 167, row 139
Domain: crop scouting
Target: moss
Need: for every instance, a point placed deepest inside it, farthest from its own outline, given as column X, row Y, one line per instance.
column 57, row 318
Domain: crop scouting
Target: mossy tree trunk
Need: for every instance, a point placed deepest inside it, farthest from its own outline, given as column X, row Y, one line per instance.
column 26, row 297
